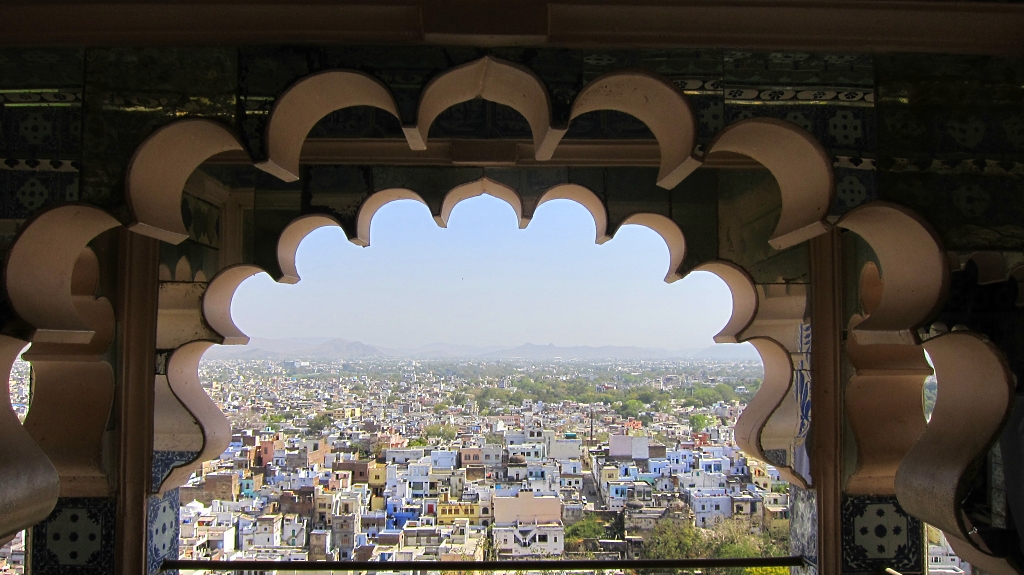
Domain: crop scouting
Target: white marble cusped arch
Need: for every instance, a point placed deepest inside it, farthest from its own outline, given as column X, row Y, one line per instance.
column 292, row 236
column 373, row 203
column 744, row 298
column 75, row 378
column 492, row 79
column 159, row 168
column 483, row 186
column 586, row 198
column 50, row 276
column 673, row 236
column 40, row 267
column 771, row 322
column 183, row 379
column 217, row 302
column 307, row 101
column 801, row 166
column 914, row 268
column 653, row 100
column 976, row 392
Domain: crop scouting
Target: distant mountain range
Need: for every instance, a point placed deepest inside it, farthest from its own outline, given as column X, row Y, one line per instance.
column 331, row 349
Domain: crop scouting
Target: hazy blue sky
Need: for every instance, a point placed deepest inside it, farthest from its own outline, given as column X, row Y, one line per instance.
column 482, row 281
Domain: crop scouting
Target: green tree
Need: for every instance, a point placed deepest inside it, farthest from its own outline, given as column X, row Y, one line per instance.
column 589, row 528
column 699, row 422
column 444, row 432
column 417, row 442
column 674, row 539
column 318, row 424
column 630, row 408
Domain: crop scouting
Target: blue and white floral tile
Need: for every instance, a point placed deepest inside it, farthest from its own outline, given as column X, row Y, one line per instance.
column 165, row 461
column 879, row 534
column 162, row 530
column 854, row 187
column 25, row 190
column 802, row 388
column 76, row 539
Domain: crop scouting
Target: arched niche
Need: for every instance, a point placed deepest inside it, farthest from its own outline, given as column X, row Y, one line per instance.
column 585, row 198
column 801, row 166
column 673, row 236
column 307, row 101
column 478, row 188
column 29, row 484
column 183, row 270
column 975, row 395
column 159, row 168
column 489, row 78
column 914, row 271
column 653, row 100
column 40, row 266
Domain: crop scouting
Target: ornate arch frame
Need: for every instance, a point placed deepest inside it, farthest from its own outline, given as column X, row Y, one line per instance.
column 52, row 291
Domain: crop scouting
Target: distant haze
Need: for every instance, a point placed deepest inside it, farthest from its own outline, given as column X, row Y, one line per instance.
column 340, row 349
column 484, row 284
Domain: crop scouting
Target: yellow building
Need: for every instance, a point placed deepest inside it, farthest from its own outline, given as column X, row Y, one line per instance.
column 478, row 514
column 347, row 412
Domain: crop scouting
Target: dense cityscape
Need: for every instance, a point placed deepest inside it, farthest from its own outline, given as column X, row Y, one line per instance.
column 378, row 459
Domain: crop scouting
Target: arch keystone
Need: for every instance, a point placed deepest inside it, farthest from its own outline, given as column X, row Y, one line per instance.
column 481, row 187
column 489, row 78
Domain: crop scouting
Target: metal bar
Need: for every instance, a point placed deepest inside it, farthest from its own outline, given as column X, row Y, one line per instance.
column 486, row 566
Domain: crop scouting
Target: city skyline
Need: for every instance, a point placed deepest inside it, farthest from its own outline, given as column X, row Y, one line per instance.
column 483, row 282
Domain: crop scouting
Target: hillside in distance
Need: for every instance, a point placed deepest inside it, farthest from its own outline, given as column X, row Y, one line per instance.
column 336, row 349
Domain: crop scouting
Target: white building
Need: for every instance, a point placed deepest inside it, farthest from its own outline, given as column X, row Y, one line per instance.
column 529, row 539
column 942, row 560
column 633, row 447
column 293, row 530
column 709, row 505
column 443, row 459
column 268, row 531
